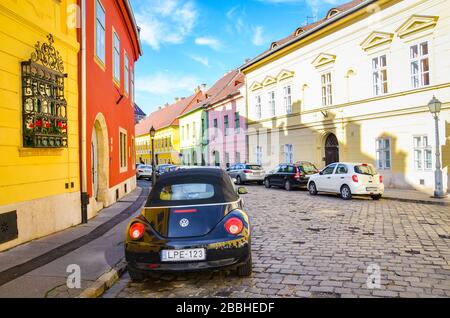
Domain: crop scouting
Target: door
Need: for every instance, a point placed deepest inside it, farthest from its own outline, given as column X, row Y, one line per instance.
column 324, row 180
column 340, row 177
column 94, row 163
column 331, row 149
column 278, row 177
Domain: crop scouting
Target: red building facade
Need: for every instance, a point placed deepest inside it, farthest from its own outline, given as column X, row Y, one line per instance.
column 112, row 47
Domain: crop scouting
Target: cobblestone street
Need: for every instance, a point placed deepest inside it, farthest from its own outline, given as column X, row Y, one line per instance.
column 322, row 246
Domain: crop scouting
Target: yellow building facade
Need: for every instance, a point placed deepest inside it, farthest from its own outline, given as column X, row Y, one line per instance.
column 167, row 147
column 355, row 87
column 39, row 169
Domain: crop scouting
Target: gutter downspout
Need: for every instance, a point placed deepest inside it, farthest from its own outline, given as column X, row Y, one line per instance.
column 84, row 194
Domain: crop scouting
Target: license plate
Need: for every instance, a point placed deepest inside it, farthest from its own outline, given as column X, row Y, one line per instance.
column 198, row 254
column 371, row 189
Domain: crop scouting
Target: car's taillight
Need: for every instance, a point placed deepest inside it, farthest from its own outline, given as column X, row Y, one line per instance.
column 381, row 179
column 355, row 178
column 247, row 171
column 234, row 226
column 137, row 231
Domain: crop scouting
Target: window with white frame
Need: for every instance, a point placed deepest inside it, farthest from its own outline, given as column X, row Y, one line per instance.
column 227, row 158
column 187, row 132
column 422, row 153
column 383, row 153
column 237, row 157
column 258, row 106
column 194, row 130
column 116, row 57
column 288, row 154
column 287, row 99
column 259, row 155
column 123, row 149
column 226, row 125
column 327, row 89
column 379, row 75
column 126, row 73
column 100, row 31
column 420, row 66
column 271, row 103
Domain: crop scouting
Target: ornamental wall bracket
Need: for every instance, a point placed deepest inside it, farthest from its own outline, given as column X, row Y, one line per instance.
column 325, row 113
column 47, row 55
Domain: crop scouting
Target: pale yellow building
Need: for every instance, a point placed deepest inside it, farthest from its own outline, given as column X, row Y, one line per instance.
column 39, row 142
column 355, row 86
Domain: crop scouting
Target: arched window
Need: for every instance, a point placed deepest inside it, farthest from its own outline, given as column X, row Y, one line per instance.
column 299, row 31
column 332, row 13
column 274, row 45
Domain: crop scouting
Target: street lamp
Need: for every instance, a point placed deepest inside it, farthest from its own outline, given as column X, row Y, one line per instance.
column 152, row 136
column 435, row 108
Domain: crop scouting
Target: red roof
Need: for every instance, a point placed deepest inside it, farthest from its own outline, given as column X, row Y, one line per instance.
column 166, row 116
column 213, row 92
column 231, row 89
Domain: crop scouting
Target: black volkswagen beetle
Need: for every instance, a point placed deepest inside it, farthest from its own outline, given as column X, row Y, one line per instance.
column 193, row 220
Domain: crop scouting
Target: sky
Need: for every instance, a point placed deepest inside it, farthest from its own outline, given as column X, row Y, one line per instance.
column 190, row 42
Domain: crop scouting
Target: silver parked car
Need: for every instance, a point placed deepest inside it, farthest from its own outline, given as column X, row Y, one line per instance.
column 144, row 172
column 243, row 173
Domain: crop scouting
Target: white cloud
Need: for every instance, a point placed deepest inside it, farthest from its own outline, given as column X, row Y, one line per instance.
column 166, row 21
column 211, row 42
column 258, row 37
column 165, row 83
column 202, row 60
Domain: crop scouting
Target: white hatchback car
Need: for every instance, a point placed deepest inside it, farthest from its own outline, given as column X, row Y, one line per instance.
column 348, row 179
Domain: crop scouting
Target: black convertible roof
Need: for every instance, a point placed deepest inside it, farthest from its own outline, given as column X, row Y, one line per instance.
column 224, row 191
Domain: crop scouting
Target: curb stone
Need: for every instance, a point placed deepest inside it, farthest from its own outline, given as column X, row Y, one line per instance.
column 440, row 203
column 104, row 282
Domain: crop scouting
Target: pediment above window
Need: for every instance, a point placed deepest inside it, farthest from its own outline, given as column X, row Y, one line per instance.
column 255, row 86
column 376, row 39
column 285, row 74
column 323, row 59
column 269, row 80
column 415, row 24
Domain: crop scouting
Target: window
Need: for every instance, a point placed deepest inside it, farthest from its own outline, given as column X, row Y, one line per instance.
column 420, row 67
column 288, row 154
column 383, row 153
column 187, row 132
column 203, row 128
column 215, row 125
column 379, row 75
column 422, row 153
column 258, row 107
column 272, row 103
column 126, row 74
column 132, row 86
column 186, row 192
column 182, row 132
column 225, row 124
column 259, row 155
column 287, row 99
column 237, row 157
column 116, row 57
column 327, row 98
column 329, row 170
column 100, row 32
column 342, row 169
column 194, row 130
column 237, row 123
column 123, row 150
column 227, row 158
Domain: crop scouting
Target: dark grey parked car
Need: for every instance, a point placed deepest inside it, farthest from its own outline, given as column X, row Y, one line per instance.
column 244, row 173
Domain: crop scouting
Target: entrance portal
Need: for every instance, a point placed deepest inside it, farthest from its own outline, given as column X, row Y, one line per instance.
column 331, row 149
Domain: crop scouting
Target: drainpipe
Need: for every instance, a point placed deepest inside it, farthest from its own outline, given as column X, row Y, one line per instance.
column 84, row 194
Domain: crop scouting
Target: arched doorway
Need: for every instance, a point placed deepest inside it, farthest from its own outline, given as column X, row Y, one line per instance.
column 331, row 149
column 100, row 162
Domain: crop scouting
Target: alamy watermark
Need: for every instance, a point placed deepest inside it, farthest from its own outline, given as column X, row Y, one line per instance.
column 74, row 277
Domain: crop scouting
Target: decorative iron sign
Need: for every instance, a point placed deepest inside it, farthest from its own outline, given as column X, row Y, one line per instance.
column 43, row 103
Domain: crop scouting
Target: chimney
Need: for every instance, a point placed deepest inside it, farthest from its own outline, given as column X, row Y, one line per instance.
column 203, row 88
column 246, row 61
column 166, row 104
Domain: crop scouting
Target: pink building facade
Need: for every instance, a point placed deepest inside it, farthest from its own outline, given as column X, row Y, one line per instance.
column 227, row 125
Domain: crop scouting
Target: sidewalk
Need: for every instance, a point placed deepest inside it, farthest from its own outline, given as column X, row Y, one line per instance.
column 414, row 196
column 39, row 268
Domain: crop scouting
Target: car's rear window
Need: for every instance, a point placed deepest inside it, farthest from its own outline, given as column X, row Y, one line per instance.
column 187, row 192
column 366, row 169
column 253, row 167
column 309, row 168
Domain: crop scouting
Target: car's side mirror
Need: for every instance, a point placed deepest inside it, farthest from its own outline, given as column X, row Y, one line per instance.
column 321, row 173
column 242, row 190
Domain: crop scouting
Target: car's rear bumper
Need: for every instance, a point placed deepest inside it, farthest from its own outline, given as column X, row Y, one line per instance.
column 250, row 178
column 147, row 257
column 367, row 190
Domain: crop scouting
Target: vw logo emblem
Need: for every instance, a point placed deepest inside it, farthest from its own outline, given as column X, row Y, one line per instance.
column 184, row 223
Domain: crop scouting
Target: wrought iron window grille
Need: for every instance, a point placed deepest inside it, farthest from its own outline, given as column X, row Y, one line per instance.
column 44, row 107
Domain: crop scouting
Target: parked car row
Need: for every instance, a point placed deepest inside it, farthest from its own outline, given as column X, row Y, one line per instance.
column 343, row 178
